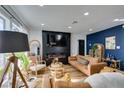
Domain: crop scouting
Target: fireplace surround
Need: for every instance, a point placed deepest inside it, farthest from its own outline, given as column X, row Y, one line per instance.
column 56, row 44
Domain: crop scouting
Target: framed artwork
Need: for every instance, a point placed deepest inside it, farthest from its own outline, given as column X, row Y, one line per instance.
column 110, row 42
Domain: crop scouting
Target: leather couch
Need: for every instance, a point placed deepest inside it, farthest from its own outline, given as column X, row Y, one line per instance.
column 94, row 65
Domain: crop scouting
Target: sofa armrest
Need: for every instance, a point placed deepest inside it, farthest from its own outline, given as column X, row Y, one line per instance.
column 72, row 58
column 96, row 68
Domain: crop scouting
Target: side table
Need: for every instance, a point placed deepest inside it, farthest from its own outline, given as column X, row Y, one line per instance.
column 113, row 63
column 110, row 69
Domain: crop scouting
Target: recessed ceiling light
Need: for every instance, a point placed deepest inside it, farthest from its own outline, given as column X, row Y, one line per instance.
column 118, row 20
column 86, row 13
column 74, row 22
column 69, row 27
column 90, row 29
column 41, row 5
column 42, row 24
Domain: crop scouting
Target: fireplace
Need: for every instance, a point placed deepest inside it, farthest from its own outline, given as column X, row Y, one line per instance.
column 53, row 55
column 61, row 57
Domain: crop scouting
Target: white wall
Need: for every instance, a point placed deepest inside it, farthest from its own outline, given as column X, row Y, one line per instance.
column 36, row 35
column 74, row 42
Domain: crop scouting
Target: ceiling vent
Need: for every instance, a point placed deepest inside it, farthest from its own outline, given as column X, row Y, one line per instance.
column 74, row 22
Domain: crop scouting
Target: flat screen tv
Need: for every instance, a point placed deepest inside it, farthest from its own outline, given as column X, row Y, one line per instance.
column 58, row 40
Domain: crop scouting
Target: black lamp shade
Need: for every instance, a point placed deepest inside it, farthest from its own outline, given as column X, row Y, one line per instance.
column 13, row 42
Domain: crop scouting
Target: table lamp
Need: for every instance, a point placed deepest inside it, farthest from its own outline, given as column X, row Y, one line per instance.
column 11, row 42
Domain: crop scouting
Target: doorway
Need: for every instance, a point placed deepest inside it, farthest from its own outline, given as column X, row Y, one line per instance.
column 81, row 49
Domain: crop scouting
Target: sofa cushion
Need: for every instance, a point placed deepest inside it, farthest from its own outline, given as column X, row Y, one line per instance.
column 83, row 61
column 73, row 63
column 91, row 60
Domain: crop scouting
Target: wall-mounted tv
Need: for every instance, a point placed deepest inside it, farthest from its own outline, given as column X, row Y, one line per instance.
column 57, row 40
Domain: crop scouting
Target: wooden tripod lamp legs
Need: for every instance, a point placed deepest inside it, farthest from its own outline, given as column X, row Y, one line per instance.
column 14, row 75
column 16, row 68
column 22, row 77
column 4, row 73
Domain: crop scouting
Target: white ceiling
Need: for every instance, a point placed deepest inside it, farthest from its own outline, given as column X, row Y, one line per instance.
column 59, row 17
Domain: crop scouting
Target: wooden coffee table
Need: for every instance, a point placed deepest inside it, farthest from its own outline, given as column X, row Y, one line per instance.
column 57, row 70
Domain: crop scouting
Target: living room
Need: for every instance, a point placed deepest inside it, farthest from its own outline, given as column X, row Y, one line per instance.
column 67, row 46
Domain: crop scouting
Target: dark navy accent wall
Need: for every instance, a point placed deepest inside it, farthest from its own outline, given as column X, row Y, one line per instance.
column 99, row 37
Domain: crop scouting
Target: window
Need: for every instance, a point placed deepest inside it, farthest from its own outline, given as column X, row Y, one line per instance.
column 15, row 27
column 2, row 23
column 2, row 27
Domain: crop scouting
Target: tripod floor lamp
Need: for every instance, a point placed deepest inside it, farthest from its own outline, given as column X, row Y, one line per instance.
column 11, row 42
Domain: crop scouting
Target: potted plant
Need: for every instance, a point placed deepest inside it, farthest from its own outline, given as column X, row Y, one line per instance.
column 24, row 59
column 94, row 49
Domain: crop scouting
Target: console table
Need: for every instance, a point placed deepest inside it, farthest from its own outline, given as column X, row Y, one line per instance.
column 113, row 63
column 110, row 69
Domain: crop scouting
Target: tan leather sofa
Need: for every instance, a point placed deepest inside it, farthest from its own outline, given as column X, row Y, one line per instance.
column 94, row 65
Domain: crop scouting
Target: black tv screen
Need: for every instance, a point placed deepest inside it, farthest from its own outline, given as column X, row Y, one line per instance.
column 61, row 40
column 58, row 40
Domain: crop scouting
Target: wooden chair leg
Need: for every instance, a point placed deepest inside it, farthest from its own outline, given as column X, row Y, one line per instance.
column 22, row 77
column 4, row 73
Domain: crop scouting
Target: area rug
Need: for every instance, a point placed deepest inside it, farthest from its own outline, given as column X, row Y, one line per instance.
column 76, row 75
